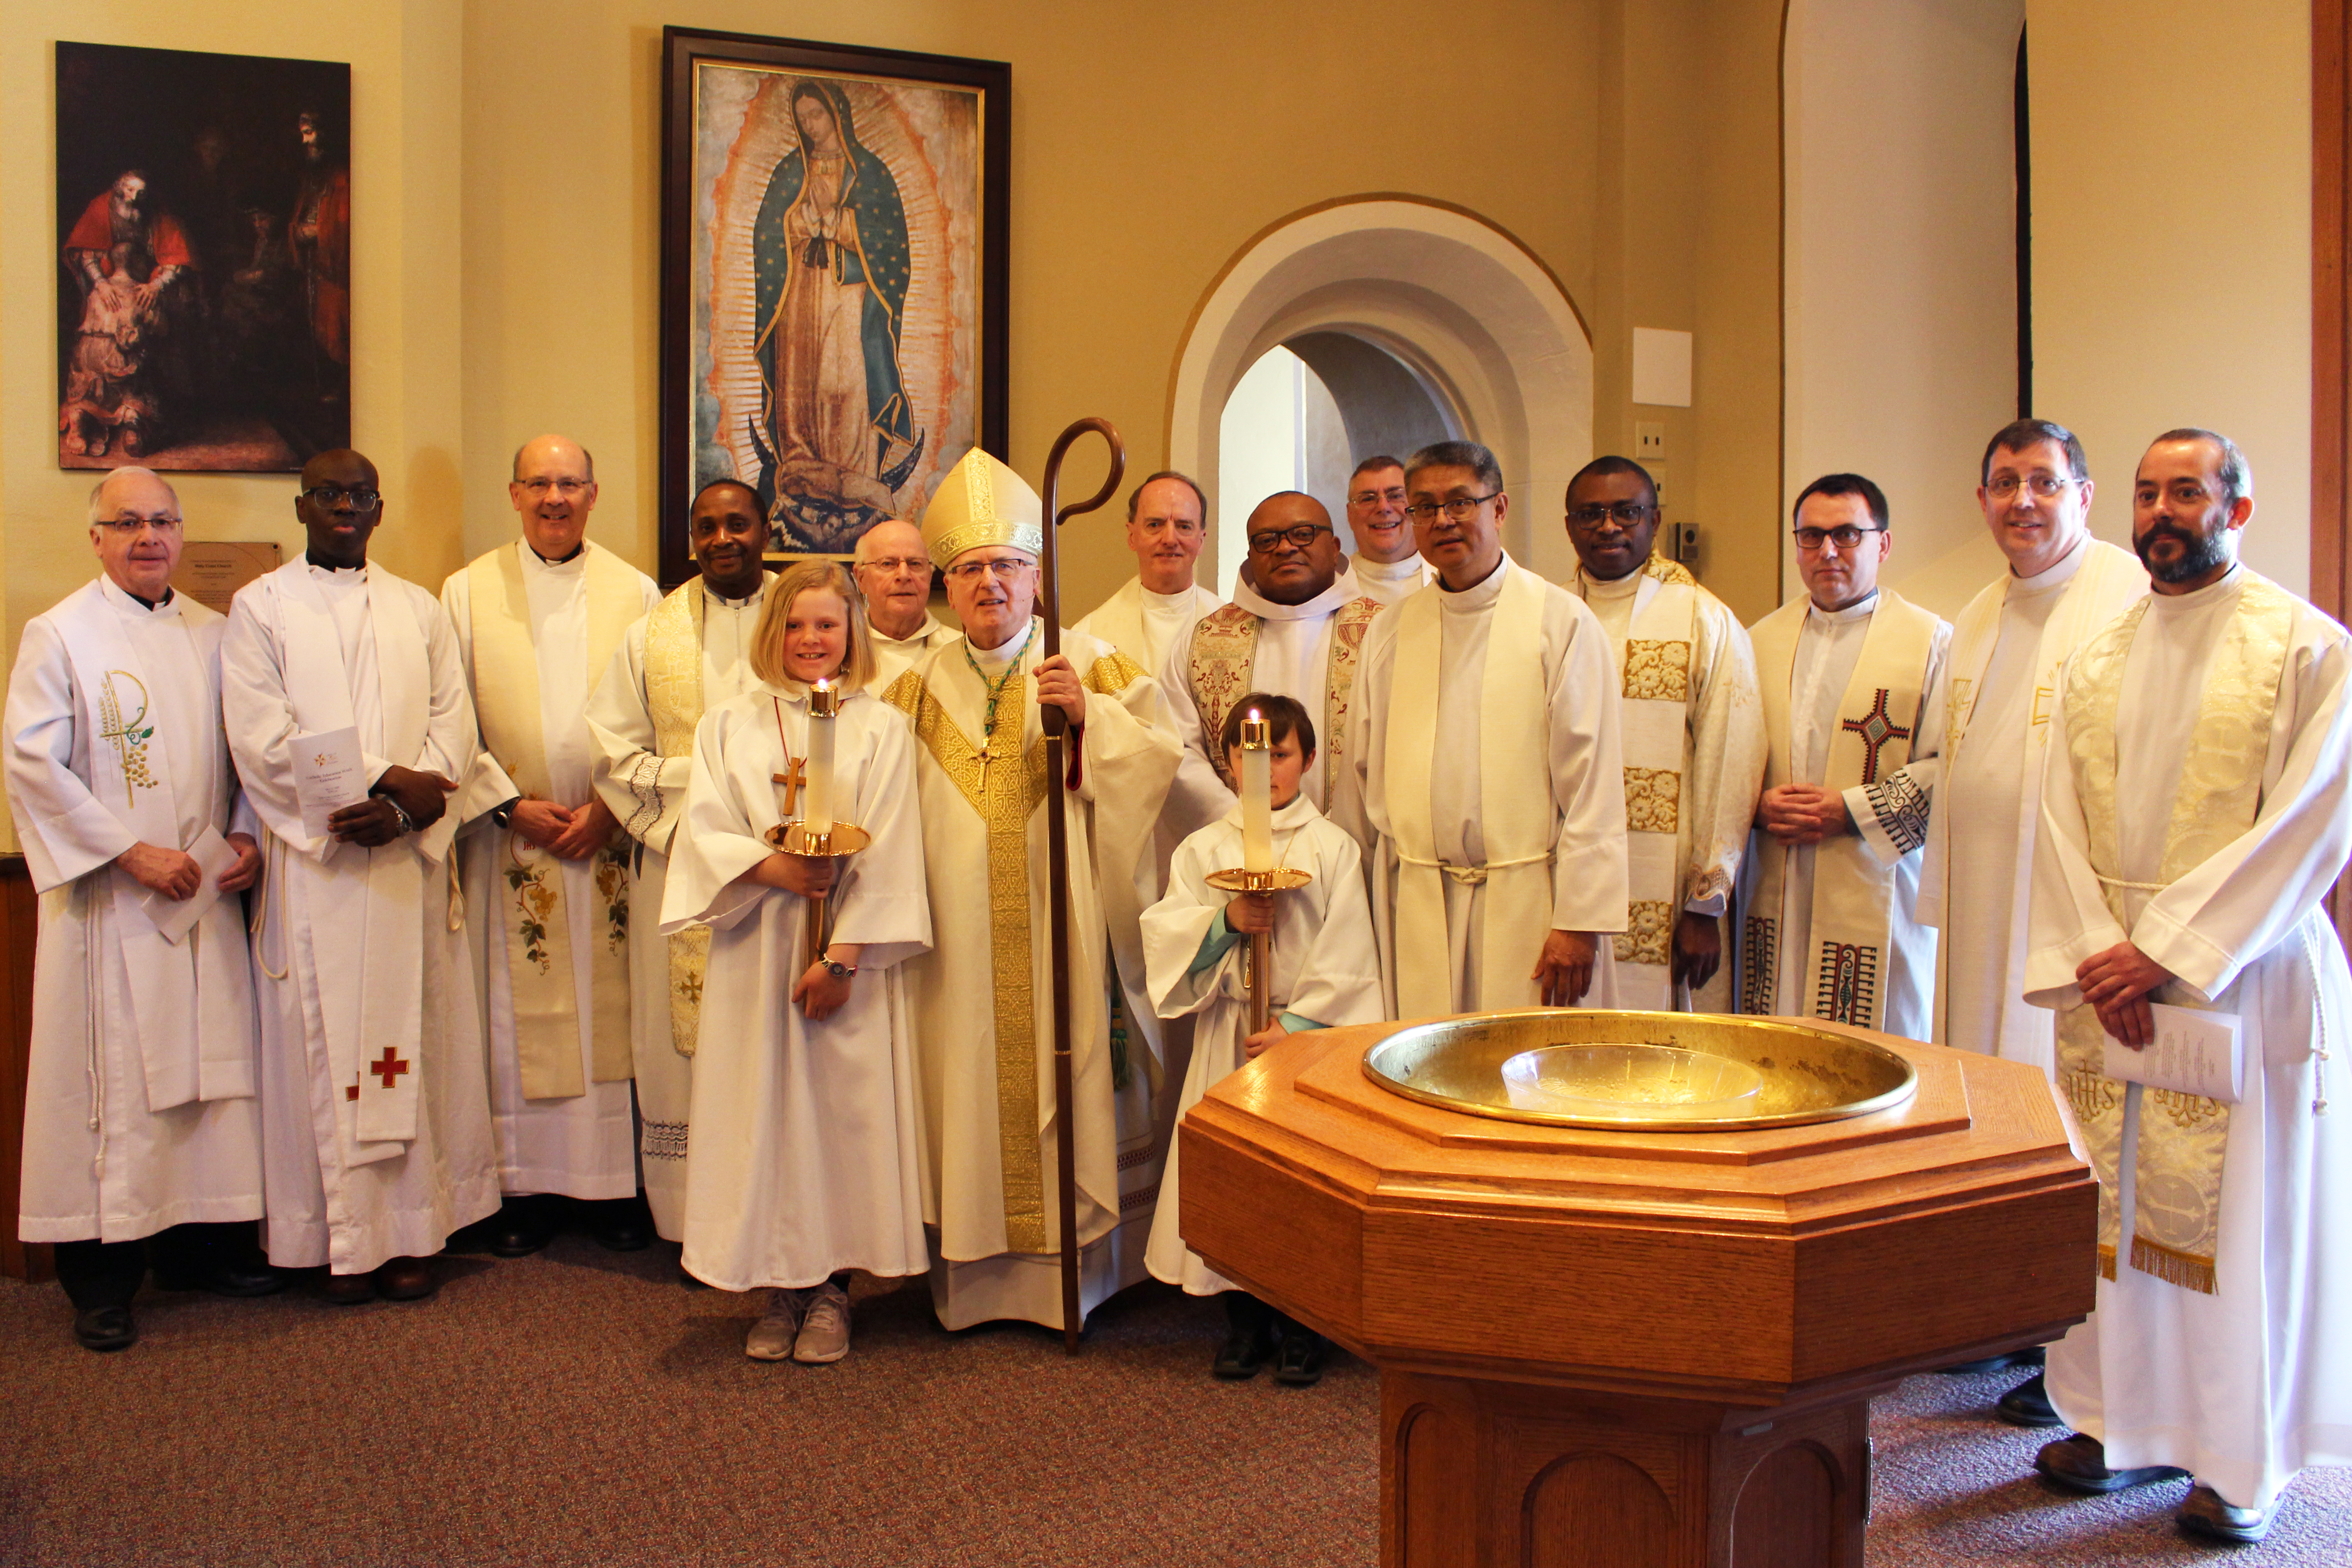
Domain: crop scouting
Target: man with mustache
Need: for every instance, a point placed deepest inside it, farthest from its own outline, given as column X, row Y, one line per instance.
column 690, row 653
column 1167, row 523
column 2197, row 809
column 1385, row 565
column 894, row 573
column 1851, row 677
column 538, row 623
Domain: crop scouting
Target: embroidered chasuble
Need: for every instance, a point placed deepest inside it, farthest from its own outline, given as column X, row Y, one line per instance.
column 2007, row 648
column 2198, row 804
column 529, row 905
column 983, row 993
column 1850, row 701
column 1693, row 747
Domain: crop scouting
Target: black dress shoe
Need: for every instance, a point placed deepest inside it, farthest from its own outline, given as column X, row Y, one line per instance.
column 406, row 1280
column 2079, row 1464
column 621, row 1224
column 105, row 1329
column 241, row 1277
column 2206, row 1515
column 1245, row 1351
column 2028, row 1404
column 1994, row 1363
column 1301, row 1365
column 521, row 1228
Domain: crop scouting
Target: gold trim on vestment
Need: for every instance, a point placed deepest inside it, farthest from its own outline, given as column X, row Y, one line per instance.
column 1221, row 660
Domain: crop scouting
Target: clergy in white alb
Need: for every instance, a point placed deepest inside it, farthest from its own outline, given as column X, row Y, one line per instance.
column 1694, row 740
column 690, row 654
column 376, row 1136
column 984, row 994
column 140, row 1113
column 1976, row 871
column 2196, row 810
column 894, row 573
column 1166, row 526
column 1385, row 562
column 1495, row 875
column 809, row 1154
column 546, row 882
column 1853, row 710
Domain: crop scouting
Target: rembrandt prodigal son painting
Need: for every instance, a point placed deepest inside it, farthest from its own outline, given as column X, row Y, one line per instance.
column 832, row 279
column 203, row 211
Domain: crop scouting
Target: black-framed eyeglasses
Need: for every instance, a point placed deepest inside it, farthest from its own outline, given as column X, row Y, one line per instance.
column 1845, row 536
column 1628, row 513
column 1300, row 535
column 1461, row 509
column 362, row 497
column 128, row 527
column 2042, row 485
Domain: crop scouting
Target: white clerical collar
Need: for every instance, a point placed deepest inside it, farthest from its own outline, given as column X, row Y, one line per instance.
column 2163, row 605
column 337, row 576
column 1624, row 587
column 1328, row 601
column 1004, row 653
column 1479, row 595
column 1179, row 601
column 744, row 603
column 2057, row 576
column 122, row 599
column 571, row 565
column 1369, row 570
column 921, row 634
column 1861, row 610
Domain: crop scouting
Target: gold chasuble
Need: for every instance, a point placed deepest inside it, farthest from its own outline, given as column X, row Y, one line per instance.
column 2178, row 1165
column 1224, row 654
column 1853, row 890
column 537, row 937
column 674, row 701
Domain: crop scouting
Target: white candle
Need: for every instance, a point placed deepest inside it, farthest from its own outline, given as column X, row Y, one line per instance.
column 823, row 703
column 1257, row 796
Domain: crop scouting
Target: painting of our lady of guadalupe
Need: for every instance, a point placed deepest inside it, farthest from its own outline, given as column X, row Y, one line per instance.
column 836, row 282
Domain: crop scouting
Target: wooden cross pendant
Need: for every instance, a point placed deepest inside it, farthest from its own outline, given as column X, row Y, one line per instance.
column 794, row 781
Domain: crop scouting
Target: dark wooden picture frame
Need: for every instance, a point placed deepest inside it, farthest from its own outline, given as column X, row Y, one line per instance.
column 888, row 237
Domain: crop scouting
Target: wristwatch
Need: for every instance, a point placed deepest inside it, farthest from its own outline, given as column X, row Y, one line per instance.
column 838, row 970
column 407, row 823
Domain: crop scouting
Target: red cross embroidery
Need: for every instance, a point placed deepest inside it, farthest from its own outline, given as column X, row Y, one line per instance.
column 392, row 1066
column 1876, row 729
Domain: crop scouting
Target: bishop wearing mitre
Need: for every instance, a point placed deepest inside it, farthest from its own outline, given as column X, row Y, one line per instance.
column 690, row 654
column 537, row 622
column 339, row 680
column 1487, row 757
column 985, row 993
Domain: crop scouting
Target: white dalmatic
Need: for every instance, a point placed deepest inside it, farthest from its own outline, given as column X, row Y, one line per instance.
column 1976, row 874
column 690, row 654
column 809, row 1156
column 1143, row 624
column 580, row 1144
column 139, row 1110
column 2198, row 803
column 1389, row 581
column 1487, row 750
column 1326, row 972
column 375, row 1112
column 893, row 657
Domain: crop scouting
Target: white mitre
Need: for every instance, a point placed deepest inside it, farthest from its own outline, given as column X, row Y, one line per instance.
column 982, row 502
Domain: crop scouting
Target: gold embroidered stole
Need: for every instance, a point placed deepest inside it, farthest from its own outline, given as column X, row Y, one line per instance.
column 1656, row 669
column 537, row 934
column 1224, row 654
column 1003, row 796
column 2177, row 1166
column 1852, row 913
column 674, row 702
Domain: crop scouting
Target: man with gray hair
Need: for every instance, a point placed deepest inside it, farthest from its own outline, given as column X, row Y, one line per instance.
column 142, row 1136
column 894, row 573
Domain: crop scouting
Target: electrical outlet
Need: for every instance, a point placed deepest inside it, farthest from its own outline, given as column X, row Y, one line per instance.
column 1649, row 441
column 1685, row 539
column 1657, row 472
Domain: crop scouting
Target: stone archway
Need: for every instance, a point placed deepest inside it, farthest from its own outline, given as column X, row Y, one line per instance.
column 1482, row 322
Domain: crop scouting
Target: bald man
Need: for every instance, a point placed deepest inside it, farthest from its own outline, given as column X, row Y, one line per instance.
column 894, row 573
column 537, row 622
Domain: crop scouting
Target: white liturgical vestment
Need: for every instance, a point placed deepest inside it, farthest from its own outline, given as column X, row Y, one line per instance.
column 1141, row 623
column 1389, row 581
column 893, row 657
column 692, row 653
column 582, row 1145
column 375, row 1121
column 1976, row 877
column 2230, row 1362
column 1520, row 830
column 139, row 1110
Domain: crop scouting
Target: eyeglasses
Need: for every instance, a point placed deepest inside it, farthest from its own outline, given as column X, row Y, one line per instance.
column 1628, row 513
column 897, row 564
column 1003, row 566
column 362, row 497
column 1301, row 534
column 2044, row 485
column 1845, row 536
column 128, row 527
column 1373, row 498
column 1461, row 509
column 566, row 488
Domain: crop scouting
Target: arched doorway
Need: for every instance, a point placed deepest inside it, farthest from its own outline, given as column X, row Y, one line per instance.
column 1380, row 294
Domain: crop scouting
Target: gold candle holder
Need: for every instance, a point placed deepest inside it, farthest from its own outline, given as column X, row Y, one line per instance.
column 1257, row 967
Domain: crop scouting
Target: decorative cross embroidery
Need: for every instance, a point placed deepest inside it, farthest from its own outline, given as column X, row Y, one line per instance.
column 1876, row 729
column 794, row 781
column 128, row 736
column 390, row 1068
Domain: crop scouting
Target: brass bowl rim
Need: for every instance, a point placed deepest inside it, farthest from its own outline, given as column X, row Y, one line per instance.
column 1887, row 1100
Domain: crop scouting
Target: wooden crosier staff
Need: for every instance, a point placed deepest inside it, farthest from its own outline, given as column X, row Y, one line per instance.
column 1057, row 846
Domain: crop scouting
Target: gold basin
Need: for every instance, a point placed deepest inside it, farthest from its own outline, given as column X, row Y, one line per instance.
column 1809, row 1075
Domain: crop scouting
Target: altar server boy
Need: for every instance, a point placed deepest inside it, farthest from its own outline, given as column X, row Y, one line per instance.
column 806, row 1159
column 1326, row 970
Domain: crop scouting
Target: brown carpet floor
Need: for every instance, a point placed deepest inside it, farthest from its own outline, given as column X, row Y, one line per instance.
column 580, row 1407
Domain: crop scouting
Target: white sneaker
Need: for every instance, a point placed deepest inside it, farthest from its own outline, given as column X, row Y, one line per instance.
column 771, row 1338
column 824, row 1332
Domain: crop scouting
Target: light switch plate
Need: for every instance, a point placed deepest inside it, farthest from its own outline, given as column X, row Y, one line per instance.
column 1649, row 441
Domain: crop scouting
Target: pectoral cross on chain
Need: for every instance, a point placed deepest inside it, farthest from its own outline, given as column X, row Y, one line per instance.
column 984, row 756
column 794, row 781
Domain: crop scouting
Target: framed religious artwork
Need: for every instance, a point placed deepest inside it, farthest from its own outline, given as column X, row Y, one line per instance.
column 204, row 243
column 834, row 272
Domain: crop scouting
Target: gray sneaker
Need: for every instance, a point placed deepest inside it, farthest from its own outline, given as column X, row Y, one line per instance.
column 824, row 1332
column 771, row 1338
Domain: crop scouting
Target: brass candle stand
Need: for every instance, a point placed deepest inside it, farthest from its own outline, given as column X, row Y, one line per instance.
column 1257, row 968
column 844, row 839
